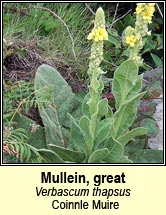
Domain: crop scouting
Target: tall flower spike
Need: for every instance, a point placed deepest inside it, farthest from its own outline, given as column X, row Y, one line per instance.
column 97, row 35
column 134, row 37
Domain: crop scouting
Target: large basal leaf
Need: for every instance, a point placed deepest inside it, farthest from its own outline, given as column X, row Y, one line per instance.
column 49, row 79
column 50, row 156
column 55, row 99
column 53, row 129
column 68, row 154
column 125, row 78
column 98, row 155
column 130, row 135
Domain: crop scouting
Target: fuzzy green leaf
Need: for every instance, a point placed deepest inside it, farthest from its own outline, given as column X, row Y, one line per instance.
column 53, row 129
column 84, row 124
column 103, row 130
column 49, row 82
column 116, row 150
column 50, row 156
column 103, row 107
column 77, row 135
column 98, row 155
column 55, row 99
column 68, row 154
column 136, row 88
column 125, row 138
column 124, row 117
column 85, row 106
column 109, row 113
column 125, row 78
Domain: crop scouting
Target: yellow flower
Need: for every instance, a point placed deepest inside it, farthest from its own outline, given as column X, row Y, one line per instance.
column 91, row 35
column 98, row 34
column 145, row 10
column 144, row 16
column 132, row 40
column 140, row 8
column 101, row 34
column 134, row 37
column 148, row 13
column 147, row 16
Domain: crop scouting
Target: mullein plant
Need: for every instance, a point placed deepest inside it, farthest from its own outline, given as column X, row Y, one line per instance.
column 103, row 132
column 92, row 129
column 99, row 135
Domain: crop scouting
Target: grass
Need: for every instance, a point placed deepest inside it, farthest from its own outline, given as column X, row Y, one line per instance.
column 50, row 33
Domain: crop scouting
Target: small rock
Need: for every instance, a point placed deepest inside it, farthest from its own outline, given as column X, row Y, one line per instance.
column 157, row 142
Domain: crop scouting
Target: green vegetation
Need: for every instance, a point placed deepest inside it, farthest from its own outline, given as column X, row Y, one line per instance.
column 52, row 104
